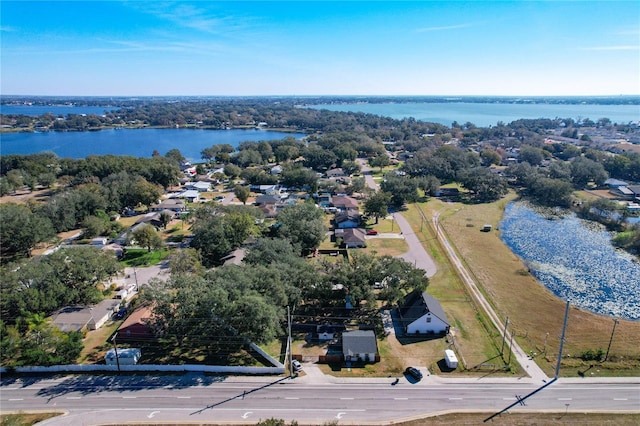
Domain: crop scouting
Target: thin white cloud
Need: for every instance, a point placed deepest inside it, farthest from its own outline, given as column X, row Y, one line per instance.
column 7, row 29
column 443, row 28
column 189, row 16
column 610, row 48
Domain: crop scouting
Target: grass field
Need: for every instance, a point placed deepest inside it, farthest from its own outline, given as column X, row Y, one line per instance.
column 513, row 418
column 535, row 314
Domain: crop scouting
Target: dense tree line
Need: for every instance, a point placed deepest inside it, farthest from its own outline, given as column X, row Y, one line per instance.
column 87, row 194
column 209, row 308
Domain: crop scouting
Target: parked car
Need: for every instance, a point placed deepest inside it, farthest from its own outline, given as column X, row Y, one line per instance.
column 296, row 365
column 372, row 232
column 413, row 372
column 120, row 314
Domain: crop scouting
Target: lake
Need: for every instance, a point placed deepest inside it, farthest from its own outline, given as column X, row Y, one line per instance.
column 57, row 110
column 575, row 260
column 489, row 114
column 134, row 142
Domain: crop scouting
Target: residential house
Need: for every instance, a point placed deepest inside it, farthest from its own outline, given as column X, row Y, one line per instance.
column 154, row 218
column 191, row 195
column 325, row 200
column 235, row 257
column 199, row 186
column 137, row 326
column 352, row 237
column 347, row 220
column 267, row 199
column 344, row 203
column 276, row 170
column 265, row 189
column 335, row 173
column 75, row 318
column 421, row 313
column 328, row 331
column 174, row 204
column 360, row 345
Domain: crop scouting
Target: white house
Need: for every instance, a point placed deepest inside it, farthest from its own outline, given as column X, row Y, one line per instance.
column 190, row 195
column 423, row 314
column 199, row 186
column 359, row 345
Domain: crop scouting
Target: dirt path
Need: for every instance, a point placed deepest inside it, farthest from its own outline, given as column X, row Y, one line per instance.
column 525, row 361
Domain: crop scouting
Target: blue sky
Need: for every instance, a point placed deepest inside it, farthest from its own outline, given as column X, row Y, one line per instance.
column 232, row 48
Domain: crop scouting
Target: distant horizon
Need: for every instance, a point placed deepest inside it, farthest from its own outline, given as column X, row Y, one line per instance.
column 320, row 48
column 448, row 96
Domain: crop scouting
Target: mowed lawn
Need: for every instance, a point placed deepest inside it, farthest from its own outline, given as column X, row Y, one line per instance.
column 535, row 313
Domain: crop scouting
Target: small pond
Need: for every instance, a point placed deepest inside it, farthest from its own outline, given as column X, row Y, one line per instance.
column 574, row 259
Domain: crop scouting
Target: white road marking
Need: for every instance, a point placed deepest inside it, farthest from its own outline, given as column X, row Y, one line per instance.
column 565, row 399
column 74, row 397
column 400, row 399
column 16, row 399
column 620, row 399
column 346, row 398
column 292, row 397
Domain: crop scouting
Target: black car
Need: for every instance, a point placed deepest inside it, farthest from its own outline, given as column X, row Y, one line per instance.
column 413, row 372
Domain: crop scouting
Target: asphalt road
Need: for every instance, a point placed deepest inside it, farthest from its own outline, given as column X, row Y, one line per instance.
column 93, row 400
column 416, row 255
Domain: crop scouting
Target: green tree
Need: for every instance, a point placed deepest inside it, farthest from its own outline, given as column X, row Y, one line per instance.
column 531, row 155
column 94, row 226
column 584, row 170
column 403, row 189
column 376, row 205
column 185, row 261
column 381, row 161
column 21, row 230
column 242, row 193
column 165, row 218
column 147, row 236
column 485, row 185
column 303, row 225
column 232, row 171
column 490, row 156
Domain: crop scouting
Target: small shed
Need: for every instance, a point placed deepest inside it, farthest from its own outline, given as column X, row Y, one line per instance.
column 487, row 227
column 450, row 359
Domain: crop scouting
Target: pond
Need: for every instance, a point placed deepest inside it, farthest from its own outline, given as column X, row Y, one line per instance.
column 575, row 260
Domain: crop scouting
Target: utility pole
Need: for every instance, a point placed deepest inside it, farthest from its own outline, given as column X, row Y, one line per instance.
column 504, row 336
column 564, row 328
column 615, row 322
column 510, row 346
column 115, row 348
column 289, row 342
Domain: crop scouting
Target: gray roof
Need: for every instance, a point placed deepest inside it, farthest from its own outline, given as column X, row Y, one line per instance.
column 359, row 342
column 417, row 304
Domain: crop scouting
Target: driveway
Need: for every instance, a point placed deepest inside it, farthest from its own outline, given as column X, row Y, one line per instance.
column 416, row 255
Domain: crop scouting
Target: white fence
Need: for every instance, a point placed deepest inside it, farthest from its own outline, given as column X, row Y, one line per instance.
column 147, row 368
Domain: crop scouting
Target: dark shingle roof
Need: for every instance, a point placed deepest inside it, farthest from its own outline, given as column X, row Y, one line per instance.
column 417, row 304
column 359, row 342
